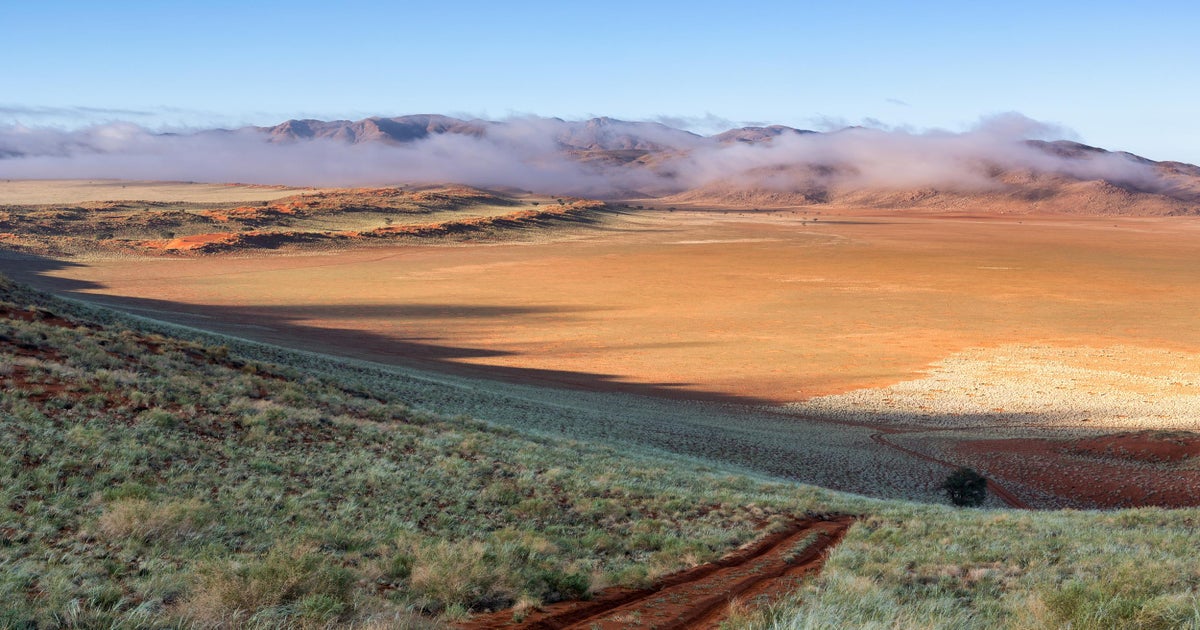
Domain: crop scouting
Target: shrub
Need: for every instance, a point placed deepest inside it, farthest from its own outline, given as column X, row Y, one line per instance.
column 965, row 487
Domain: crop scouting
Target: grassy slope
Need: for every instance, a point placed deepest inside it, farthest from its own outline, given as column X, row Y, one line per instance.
column 919, row 566
column 158, row 481
column 149, row 480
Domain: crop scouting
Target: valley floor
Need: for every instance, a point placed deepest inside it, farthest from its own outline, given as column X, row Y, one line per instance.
column 858, row 351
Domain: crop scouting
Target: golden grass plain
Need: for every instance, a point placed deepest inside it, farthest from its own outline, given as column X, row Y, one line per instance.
column 45, row 191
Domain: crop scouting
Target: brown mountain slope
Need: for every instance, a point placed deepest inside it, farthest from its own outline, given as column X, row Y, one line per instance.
column 1173, row 190
column 375, row 129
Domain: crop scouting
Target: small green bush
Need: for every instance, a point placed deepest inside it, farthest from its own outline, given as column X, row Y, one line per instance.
column 965, row 487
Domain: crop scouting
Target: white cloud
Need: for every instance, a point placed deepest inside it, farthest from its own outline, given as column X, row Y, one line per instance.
column 526, row 152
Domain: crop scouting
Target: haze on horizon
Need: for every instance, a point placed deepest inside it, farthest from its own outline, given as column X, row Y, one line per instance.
column 565, row 157
column 1115, row 73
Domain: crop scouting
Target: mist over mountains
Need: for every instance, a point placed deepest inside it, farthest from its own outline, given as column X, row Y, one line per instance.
column 1003, row 157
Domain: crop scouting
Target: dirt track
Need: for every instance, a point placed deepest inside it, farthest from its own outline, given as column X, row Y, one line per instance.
column 697, row 598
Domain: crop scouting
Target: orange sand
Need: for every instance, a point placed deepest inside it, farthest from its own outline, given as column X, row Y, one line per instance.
column 764, row 306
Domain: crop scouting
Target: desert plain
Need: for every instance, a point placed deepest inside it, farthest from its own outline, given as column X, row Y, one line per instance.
column 1056, row 353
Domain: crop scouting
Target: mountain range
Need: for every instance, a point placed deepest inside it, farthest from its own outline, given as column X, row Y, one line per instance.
column 1009, row 163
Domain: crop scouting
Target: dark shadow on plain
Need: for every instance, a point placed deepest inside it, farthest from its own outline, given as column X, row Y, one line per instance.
column 288, row 327
column 907, row 458
column 410, row 311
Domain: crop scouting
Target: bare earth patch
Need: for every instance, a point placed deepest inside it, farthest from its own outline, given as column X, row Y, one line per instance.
column 774, row 307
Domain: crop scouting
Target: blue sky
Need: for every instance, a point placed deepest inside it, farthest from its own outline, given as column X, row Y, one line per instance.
column 1121, row 76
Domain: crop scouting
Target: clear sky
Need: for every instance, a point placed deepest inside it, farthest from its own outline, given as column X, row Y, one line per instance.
column 1122, row 75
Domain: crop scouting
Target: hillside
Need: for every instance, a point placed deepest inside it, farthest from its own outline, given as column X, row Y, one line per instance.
column 317, row 219
column 595, row 134
column 154, row 481
column 376, row 129
column 1015, row 192
column 1152, row 189
column 174, row 480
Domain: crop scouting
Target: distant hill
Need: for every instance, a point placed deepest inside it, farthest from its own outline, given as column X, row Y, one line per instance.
column 991, row 170
column 374, row 129
column 1063, row 186
column 1051, row 182
column 754, row 135
column 595, row 134
column 607, row 134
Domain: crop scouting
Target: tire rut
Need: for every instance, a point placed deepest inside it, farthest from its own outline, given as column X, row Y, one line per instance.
column 1004, row 494
column 697, row 597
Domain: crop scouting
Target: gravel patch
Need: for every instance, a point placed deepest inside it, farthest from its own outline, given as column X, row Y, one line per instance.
column 1121, row 387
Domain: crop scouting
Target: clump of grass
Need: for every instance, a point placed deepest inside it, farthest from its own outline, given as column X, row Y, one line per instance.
column 284, row 583
column 464, row 573
column 168, row 521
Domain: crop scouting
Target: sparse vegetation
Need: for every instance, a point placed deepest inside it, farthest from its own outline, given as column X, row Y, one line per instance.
column 151, row 481
column 919, row 566
column 327, row 218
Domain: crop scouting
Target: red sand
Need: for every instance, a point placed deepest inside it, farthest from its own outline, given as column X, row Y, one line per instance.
column 192, row 242
column 1145, row 446
column 1117, row 471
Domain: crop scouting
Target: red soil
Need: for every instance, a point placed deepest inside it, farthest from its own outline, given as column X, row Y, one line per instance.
column 698, row 597
column 1146, row 446
column 1113, row 471
column 994, row 487
column 191, row 243
column 250, row 213
column 38, row 315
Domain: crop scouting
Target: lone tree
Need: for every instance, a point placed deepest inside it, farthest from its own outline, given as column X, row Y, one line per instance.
column 965, row 487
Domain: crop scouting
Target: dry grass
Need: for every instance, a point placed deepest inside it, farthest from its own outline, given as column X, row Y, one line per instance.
column 312, row 220
column 175, row 483
column 166, row 522
column 155, row 481
column 58, row 191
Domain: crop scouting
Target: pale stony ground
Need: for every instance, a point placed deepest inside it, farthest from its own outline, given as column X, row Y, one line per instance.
column 1118, row 387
